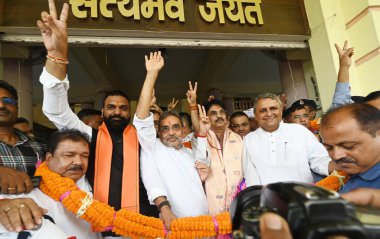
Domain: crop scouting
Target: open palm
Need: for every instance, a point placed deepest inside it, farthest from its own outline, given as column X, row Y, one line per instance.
column 154, row 62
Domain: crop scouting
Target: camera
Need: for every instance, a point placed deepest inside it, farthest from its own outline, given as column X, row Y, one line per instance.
column 311, row 212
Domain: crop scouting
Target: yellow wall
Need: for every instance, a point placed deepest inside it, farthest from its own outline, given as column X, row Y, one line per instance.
column 328, row 21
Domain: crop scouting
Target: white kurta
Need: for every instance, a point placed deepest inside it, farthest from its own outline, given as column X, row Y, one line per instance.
column 64, row 219
column 288, row 154
column 168, row 172
column 56, row 106
column 46, row 230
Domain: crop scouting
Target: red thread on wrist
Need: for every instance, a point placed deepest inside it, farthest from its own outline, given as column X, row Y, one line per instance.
column 57, row 60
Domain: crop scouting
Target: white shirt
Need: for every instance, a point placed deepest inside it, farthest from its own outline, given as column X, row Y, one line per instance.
column 46, row 230
column 168, row 172
column 56, row 106
column 287, row 154
column 63, row 218
column 188, row 138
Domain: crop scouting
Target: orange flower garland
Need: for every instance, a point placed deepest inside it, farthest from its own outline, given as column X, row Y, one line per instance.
column 123, row 222
column 314, row 125
column 200, row 227
column 334, row 181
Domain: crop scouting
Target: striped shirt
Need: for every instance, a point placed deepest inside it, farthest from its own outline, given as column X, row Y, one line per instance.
column 22, row 156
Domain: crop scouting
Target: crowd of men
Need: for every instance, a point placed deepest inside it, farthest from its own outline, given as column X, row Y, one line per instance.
column 170, row 164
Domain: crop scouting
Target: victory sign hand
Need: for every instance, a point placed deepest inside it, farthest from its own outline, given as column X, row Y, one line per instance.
column 345, row 54
column 54, row 30
column 204, row 121
column 191, row 94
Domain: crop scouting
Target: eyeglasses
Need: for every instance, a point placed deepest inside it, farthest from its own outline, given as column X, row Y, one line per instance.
column 300, row 116
column 8, row 100
column 166, row 129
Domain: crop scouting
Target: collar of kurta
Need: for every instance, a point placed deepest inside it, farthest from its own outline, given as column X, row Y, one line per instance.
column 280, row 126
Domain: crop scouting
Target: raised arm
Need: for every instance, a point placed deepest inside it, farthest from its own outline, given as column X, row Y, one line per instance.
column 191, row 95
column 54, row 34
column 342, row 94
column 53, row 78
column 202, row 162
column 153, row 64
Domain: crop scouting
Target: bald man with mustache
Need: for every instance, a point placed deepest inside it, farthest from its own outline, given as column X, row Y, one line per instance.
column 351, row 135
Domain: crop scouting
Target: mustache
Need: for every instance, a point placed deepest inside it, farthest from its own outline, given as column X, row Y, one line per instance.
column 76, row 168
column 116, row 116
column 4, row 110
column 173, row 137
column 344, row 160
column 219, row 120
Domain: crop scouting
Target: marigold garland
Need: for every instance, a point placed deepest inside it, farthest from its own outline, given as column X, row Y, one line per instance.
column 314, row 125
column 103, row 217
column 334, row 181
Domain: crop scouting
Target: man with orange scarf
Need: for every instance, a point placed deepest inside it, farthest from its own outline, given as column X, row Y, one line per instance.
column 114, row 158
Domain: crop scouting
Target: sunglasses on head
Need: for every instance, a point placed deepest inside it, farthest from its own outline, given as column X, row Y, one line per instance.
column 8, row 100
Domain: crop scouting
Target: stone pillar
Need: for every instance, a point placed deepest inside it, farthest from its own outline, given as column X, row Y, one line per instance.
column 293, row 81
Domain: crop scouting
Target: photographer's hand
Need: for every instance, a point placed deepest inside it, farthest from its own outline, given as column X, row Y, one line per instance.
column 364, row 197
column 273, row 226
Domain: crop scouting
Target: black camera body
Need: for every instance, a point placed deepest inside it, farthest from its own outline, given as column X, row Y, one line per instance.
column 311, row 212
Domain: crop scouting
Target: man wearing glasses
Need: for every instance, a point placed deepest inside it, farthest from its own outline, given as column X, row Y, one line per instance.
column 297, row 113
column 19, row 153
column 169, row 170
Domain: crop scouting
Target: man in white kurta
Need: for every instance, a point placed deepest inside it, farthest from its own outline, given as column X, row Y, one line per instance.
column 64, row 219
column 281, row 152
column 46, row 230
column 170, row 172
